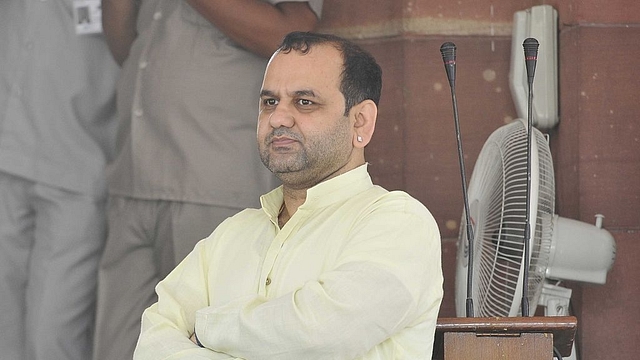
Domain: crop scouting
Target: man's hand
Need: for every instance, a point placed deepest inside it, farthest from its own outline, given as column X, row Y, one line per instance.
column 119, row 25
column 194, row 339
column 258, row 26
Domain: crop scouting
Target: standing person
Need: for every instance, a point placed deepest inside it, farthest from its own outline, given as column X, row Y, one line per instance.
column 57, row 132
column 331, row 266
column 186, row 157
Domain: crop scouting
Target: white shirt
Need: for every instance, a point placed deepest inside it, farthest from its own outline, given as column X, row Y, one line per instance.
column 354, row 274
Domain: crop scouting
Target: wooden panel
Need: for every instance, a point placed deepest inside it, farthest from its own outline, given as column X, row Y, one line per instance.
column 470, row 346
column 491, row 331
column 449, row 252
column 386, row 151
column 486, row 11
column 564, row 140
column 609, row 125
column 574, row 12
column 363, row 18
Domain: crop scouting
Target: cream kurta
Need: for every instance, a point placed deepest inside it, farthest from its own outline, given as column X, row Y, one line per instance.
column 355, row 273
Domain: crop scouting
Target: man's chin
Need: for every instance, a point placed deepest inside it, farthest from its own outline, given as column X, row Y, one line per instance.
column 277, row 171
column 286, row 173
column 283, row 165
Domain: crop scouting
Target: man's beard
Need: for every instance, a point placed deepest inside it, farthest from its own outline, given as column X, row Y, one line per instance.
column 309, row 158
column 295, row 161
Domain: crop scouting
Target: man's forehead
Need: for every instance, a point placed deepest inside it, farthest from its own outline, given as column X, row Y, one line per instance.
column 317, row 55
column 295, row 72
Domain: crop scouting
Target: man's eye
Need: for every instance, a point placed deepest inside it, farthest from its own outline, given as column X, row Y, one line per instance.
column 305, row 102
column 270, row 102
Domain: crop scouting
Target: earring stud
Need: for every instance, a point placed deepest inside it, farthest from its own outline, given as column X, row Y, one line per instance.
column 359, row 138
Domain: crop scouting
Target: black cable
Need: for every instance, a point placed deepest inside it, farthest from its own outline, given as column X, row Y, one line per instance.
column 556, row 353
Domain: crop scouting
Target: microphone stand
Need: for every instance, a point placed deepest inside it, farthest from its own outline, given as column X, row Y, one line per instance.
column 531, row 56
column 448, row 51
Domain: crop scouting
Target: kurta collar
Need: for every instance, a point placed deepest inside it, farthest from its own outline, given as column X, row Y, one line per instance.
column 323, row 194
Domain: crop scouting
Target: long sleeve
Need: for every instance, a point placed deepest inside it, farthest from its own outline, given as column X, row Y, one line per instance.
column 388, row 277
column 168, row 324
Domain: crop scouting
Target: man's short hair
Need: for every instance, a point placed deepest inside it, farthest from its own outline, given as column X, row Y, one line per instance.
column 361, row 75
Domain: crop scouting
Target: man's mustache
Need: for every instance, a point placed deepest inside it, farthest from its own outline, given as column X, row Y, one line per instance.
column 282, row 132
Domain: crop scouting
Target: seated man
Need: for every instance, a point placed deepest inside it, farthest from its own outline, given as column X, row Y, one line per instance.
column 331, row 266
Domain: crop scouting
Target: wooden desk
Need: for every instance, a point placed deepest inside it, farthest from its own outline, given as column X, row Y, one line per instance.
column 511, row 338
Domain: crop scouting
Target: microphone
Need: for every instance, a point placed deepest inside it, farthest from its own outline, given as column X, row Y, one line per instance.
column 531, row 58
column 448, row 51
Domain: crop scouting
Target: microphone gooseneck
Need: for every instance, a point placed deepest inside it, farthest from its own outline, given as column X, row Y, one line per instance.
column 531, row 57
column 448, row 51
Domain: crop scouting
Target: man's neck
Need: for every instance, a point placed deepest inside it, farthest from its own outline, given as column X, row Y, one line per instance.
column 295, row 196
column 293, row 199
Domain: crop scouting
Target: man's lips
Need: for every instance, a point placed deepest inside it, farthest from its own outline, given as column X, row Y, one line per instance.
column 282, row 141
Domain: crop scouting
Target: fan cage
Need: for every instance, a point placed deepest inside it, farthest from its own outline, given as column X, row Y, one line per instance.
column 497, row 196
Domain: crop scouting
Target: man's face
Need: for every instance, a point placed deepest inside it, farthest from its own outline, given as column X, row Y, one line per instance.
column 303, row 135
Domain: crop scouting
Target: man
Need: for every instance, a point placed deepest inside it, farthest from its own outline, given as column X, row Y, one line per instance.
column 332, row 266
column 186, row 157
column 57, row 133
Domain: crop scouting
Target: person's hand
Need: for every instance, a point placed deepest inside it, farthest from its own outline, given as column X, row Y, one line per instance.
column 194, row 339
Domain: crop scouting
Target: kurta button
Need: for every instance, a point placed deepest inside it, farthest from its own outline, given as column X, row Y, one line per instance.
column 268, row 282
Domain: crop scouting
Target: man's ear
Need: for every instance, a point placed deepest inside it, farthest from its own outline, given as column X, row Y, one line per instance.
column 365, row 113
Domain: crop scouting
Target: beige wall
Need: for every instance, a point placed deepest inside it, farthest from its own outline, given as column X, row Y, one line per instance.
column 596, row 146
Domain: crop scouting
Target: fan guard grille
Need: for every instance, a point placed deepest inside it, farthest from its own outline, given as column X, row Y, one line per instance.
column 497, row 197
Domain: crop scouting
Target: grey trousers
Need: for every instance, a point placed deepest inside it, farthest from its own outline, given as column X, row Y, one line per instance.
column 50, row 244
column 147, row 239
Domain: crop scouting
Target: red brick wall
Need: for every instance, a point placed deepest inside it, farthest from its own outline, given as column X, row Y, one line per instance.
column 596, row 146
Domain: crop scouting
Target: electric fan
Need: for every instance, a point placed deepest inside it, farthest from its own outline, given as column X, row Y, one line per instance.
column 497, row 194
column 560, row 249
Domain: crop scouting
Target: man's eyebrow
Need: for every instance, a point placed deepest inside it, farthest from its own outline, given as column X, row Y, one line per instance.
column 309, row 93
column 297, row 93
column 267, row 93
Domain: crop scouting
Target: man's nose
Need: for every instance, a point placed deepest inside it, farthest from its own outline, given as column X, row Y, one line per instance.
column 281, row 116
